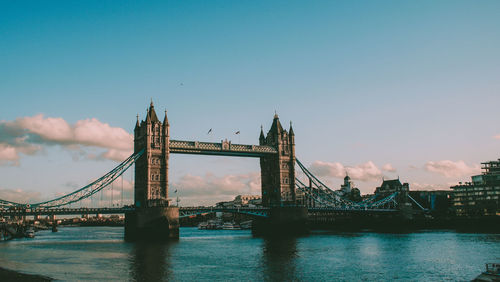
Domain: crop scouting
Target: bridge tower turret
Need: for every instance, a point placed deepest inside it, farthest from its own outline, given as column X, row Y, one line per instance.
column 151, row 169
column 278, row 171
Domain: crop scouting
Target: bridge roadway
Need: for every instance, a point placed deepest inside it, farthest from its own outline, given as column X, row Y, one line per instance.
column 186, row 211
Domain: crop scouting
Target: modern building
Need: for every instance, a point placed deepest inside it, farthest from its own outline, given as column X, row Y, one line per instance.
column 480, row 196
column 438, row 202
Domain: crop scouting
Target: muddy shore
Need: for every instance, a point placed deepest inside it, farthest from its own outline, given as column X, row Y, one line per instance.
column 11, row 275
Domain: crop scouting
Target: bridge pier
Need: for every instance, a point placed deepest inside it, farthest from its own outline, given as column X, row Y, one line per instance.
column 152, row 223
column 282, row 221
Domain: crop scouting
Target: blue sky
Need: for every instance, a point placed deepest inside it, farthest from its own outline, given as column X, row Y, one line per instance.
column 413, row 84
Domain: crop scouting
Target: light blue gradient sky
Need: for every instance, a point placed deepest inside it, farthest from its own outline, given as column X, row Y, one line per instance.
column 399, row 82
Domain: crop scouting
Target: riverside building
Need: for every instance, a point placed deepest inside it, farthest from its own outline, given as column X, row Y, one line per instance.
column 480, row 196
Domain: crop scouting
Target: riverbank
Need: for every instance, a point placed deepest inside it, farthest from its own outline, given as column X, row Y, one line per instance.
column 11, row 275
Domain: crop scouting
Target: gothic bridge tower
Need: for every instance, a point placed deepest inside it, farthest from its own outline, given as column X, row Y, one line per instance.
column 151, row 169
column 278, row 171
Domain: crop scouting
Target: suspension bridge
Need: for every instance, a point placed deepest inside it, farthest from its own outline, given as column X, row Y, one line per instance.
column 281, row 184
column 324, row 198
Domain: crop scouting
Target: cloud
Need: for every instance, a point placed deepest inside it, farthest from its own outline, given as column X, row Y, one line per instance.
column 20, row 196
column 497, row 136
column 365, row 172
column 414, row 186
column 29, row 135
column 388, row 168
column 452, row 169
column 210, row 189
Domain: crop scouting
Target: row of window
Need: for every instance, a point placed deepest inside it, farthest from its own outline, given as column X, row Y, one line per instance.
column 155, row 161
column 155, row 192
column 472, row 188
column 155, row 177
column 461, row 199
column 477, row 193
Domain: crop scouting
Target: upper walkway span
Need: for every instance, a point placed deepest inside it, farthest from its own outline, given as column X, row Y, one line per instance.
column 224, row 148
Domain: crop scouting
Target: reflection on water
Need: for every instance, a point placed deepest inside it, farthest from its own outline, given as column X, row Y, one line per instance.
column 279, row 259
column 100, row 254
column 150, row 261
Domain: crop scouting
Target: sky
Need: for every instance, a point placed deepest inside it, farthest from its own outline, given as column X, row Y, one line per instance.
column 380, row 89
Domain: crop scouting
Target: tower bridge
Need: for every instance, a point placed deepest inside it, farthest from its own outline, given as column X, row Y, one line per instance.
column 151, row 214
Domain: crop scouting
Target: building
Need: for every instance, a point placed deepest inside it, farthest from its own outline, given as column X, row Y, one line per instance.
column 389, row 187
column 347, row 191
column 480, row 196
column 392, row 186
column 438, row 202
column 151, row 169
column 242, row 201
column 278, row 171
column 245, row 200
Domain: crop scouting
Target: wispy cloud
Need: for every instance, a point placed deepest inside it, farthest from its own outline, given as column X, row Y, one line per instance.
column 388, row 168
column 452, row 169
column 29, row 135
column 20, row 196
column 365, row 172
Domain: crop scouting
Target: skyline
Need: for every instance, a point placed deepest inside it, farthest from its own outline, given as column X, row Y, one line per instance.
column 382, row 89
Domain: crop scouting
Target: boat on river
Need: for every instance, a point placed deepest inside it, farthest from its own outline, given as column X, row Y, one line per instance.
column 30, row 233
column 492, row 273
column 210, row 225
column 231, row 226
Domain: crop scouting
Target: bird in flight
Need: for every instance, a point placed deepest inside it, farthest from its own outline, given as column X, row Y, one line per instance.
column 237, row 132
column 209, row 131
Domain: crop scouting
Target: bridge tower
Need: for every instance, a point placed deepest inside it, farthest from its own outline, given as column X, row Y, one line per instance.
column 151, row 170
column 278, row 171
column 152, row 218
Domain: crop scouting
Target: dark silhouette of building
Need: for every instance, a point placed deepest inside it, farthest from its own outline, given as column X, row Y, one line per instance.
column 438, row 202
column 391, row 186
column 481, row 195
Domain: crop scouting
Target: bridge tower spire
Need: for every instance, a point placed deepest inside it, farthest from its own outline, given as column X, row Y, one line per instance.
column 278, row 171
column 151, row 170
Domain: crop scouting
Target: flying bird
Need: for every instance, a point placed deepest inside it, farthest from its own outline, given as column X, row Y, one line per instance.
column 209, row 131
column 237, row 132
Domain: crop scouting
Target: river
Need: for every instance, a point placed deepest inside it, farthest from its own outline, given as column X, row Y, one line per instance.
column 99, row 253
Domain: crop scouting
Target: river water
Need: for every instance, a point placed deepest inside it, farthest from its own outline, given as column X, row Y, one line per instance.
column 99, row 253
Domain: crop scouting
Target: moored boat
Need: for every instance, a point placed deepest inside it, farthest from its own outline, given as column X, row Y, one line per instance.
column 30, row 233
column 492, row 273
column 230, row 226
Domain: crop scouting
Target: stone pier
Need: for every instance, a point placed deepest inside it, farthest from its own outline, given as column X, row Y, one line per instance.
column 282, row 221
column 152, row 223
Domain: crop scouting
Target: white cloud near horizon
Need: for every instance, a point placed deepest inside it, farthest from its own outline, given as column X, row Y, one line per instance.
column 451, row 169
column 388, row 167
column 364, row 172
column 20, row 196
column 415, row 186
column 210, row 189
column 29, row 135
